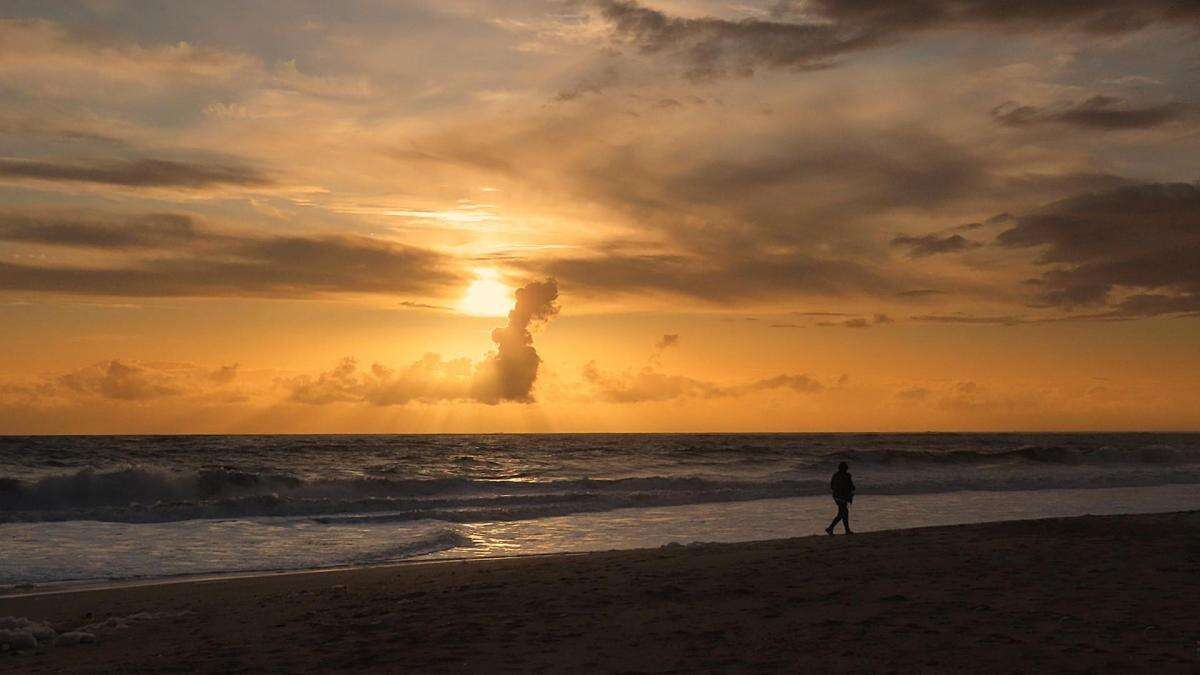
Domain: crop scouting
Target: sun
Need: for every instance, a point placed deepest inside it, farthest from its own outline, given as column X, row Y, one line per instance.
column 486, row 296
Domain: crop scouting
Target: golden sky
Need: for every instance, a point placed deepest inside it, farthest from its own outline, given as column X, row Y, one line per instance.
column 778, row 215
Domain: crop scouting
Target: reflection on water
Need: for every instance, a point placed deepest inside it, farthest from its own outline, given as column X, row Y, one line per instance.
column 43, row 552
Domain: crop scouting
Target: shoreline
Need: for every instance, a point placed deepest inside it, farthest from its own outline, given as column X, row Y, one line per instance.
column 1063, row 593
column 86, row 585
column 777, row 518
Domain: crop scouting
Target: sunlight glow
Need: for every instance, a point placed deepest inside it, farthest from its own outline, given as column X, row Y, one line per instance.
column 486, row 296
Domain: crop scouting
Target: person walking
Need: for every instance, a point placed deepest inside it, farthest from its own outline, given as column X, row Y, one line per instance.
column 842, row 487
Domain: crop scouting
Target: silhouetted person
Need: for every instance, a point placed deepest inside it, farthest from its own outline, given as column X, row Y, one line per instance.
column 842, row 487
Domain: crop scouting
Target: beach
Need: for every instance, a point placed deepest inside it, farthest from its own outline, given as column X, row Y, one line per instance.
column 1093, row 592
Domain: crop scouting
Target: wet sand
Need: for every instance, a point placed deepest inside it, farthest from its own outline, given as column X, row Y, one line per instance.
column 1115, row 592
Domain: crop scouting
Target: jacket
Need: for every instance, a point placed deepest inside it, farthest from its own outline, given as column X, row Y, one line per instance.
column 842, row 486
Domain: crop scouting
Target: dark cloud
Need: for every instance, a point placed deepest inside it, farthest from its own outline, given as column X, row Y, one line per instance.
column 933, row 244
column 188, row 260
column 792, row 212
column 994, row 220
column 858, row 322
column 848, row 323
column 136, row 173
column 1142, row 239
column 807, row 35
column 1098, row 112
column 920, row 293
column 1097, row 16
column 713, row 46
column 421, row 305
column 650, row 384
column 155, row 230
column 970, row 319
column 881, row 171
column 507, row 374
column 913, row 394
column 225, row 374
column 798, row 383
column 668, row 340
column 718, row 279
column 591, row 83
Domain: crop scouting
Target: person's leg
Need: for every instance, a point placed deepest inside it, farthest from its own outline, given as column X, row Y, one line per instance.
column 841, row 510
column 844, row 514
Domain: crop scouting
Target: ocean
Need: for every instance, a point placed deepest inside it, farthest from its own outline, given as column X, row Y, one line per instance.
column 103, row 508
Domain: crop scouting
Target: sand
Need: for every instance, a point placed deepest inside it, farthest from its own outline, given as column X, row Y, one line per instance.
column 1117, row 592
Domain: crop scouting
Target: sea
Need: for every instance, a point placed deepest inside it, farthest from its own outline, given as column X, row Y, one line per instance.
column 78, row 509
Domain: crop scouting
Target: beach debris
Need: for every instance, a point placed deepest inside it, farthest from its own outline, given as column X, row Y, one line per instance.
column 17, row 640
column 18, row 633
column 75, row 637
column 114, row 623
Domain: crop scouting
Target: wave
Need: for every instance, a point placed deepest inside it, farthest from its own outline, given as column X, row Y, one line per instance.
column 1027, row 454
column 142, row 495
column 441, row 540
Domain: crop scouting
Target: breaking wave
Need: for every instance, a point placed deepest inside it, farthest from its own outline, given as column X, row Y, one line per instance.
column 152, row 494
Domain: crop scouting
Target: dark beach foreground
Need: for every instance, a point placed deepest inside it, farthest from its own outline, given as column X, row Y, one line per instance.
column 1107, row 593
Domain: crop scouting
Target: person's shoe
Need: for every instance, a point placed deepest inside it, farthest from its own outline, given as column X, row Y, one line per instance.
column 847, row 532
column 829, row 531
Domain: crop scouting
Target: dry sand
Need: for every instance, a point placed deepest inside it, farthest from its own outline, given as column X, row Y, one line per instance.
column 1108, row 593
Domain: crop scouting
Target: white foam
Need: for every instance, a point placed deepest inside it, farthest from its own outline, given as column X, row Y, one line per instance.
column 48, row 552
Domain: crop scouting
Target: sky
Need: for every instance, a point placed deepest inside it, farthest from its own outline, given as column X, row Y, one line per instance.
column 599, row 215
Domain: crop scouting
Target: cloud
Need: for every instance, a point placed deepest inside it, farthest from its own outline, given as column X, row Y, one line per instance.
column 421, row 305
column 717, row 277
column 810, row 35
column 507, row 374
column 149, row 173
column 920, row 293
column 848, row 323
column 712, row 46
column 188, row 260
column 913, row 394
column 1143, row 240
column 728, row 216
column 124, row 380
column 1098, row 112
column 798, row 383
column 591, row 83
column 970, row 319
column 650, row 384
column 858, row 322
column 429, row 379
column 153, row 230
column 121, row 381
column 647, row 384
column 225, row 374
column 933, row 244
column 667, row 341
